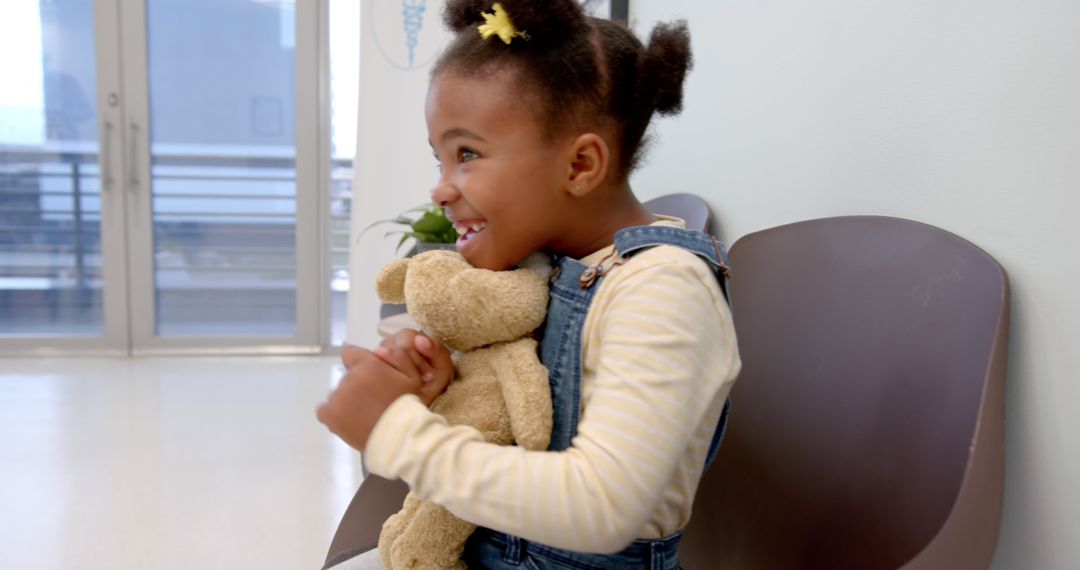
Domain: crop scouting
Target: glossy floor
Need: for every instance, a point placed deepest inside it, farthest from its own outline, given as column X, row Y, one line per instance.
column 171, row 463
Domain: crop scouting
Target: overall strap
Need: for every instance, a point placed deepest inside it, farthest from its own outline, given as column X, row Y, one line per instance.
column 631, row 241
column 560, row 349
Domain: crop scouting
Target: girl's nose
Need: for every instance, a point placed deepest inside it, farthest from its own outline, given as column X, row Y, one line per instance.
column 444, row 193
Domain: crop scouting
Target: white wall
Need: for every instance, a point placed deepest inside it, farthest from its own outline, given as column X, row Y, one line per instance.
column 962, row 114
column 394, row 167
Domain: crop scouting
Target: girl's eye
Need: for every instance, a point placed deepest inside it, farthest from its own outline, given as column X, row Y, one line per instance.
column 466, row 154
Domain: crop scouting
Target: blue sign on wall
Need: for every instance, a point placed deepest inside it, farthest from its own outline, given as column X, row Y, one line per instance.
column 406, row 32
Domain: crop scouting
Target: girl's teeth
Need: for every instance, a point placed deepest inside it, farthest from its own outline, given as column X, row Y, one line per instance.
column 474, row 227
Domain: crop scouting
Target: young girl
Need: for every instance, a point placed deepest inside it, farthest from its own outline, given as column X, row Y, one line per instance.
column 536, row 114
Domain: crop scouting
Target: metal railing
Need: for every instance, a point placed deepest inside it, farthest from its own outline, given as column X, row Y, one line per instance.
column 50, row 215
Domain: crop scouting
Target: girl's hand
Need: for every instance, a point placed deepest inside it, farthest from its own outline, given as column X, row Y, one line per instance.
column 418, row 356
column 368, row 388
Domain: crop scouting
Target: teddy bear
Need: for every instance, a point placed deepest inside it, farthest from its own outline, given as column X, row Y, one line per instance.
column 500, row 386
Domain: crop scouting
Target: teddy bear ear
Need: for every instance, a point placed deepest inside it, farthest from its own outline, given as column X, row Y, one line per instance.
column 390, row 282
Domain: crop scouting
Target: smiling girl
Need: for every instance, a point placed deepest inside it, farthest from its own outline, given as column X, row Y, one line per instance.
column 537, row 115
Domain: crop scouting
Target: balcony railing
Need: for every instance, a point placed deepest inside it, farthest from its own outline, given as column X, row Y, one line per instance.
column 224, row 219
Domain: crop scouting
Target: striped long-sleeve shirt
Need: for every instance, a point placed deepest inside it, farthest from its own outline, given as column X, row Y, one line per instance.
column 659, row 358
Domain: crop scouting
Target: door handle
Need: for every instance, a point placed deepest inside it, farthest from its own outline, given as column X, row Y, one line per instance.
column 133, row 155
column 106, row 158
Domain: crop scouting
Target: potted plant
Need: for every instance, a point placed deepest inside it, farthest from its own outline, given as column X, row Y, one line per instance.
column 427, row 225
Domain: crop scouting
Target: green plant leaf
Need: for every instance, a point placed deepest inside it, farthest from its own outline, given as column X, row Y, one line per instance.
column 431, row 226
column 402, row 220
column 431, row 223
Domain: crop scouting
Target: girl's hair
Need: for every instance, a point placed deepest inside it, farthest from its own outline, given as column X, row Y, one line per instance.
column 583, row 71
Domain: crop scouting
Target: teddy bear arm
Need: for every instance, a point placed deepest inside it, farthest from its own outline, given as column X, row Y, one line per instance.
column 525, row 388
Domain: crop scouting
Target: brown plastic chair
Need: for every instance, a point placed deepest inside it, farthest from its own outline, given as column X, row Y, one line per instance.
column 379, row 498
column 690, row 207
column 358, row 532
column 867, row 428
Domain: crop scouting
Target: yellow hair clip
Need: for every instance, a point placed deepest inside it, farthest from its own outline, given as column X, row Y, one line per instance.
column 499, row 24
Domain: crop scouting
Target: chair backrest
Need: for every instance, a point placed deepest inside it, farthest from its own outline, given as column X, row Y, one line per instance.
column 689, row 207
column 374, row 502
column 867, row 424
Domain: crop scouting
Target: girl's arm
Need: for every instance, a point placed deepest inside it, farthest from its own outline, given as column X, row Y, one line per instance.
column 667, row 359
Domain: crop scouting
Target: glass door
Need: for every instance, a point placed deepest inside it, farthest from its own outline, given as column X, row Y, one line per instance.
column 223, row 248
column 163, row 178
column 62, row 282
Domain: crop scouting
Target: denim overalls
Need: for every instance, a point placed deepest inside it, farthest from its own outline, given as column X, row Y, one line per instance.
column 572, row 290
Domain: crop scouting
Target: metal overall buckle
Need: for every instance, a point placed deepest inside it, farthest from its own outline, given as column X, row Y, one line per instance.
column 591, row 274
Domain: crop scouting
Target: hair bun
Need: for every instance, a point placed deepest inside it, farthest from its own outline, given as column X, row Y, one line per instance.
column 543, row 21
column 460, row 14
column 666, row 62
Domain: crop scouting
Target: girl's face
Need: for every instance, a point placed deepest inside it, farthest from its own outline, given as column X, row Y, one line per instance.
column 500, row 179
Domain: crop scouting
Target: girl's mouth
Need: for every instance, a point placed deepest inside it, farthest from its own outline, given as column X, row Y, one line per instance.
column 468, row 230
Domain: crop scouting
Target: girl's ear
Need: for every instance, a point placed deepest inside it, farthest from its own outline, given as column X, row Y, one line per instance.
column 589, row 164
